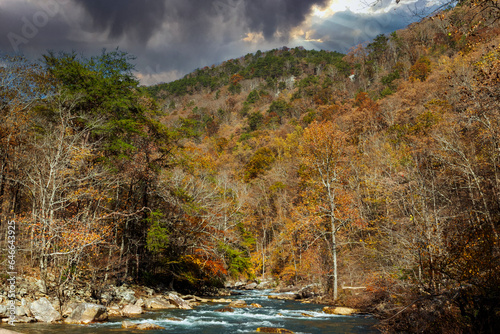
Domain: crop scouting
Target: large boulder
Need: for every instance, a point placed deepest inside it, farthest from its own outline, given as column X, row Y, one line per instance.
column 43, row 311
column 130, row 309
column 155, row 303
column 86, row 313
column 178, row 301
column 340, row 310
column 68, row 309
column 250, row 286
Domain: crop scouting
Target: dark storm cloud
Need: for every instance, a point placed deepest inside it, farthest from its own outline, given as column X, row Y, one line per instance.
column 173, row 37
column 138, row 19
column 346, row 29
column 272, row 16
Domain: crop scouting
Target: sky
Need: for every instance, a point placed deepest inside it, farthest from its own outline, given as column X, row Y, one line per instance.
column 171, row 38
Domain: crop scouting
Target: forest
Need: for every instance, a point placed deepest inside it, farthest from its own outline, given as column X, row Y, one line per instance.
column 379, row 168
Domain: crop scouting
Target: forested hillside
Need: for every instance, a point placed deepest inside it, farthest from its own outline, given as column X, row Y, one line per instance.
column 376, row 169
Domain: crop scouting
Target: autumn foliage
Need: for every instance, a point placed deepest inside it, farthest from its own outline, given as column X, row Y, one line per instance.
column 276, row 165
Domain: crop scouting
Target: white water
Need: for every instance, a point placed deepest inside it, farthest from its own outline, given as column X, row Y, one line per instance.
column 204, row 319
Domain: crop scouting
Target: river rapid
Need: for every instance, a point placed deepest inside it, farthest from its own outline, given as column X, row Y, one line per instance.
column 204, row 319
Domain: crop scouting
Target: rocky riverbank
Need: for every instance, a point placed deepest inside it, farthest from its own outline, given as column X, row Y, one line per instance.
column 82, row 306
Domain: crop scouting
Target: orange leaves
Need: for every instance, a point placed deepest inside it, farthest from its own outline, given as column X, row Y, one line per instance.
column 235, row 79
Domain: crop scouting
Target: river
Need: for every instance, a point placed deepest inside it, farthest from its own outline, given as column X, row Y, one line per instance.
column 204, row 319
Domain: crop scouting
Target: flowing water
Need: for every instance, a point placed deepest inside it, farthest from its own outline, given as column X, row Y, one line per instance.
column 204, row 319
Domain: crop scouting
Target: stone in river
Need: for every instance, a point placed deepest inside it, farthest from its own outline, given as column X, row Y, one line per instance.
column 225, row 309
column 148, row 326
column 178, row 301
column 340, row 310
column 238, row 303
column 156, row 303
column 273, row 330
column 129, row 310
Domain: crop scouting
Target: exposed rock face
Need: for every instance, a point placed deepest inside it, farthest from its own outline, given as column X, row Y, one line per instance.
column 86, row 313
column 273, row 330
column 340, row 310
column 43, row 311
column 178, row 301
column 129, row 310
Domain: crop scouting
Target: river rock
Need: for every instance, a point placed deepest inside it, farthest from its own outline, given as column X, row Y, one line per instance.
column 22, row 311
column 128, row 324
column 43, row 311
column 178, row 301
column 238, row 303
column 142, row 326
column 68, row 309
column 283, row 297
column 340, row 310
column 23, row 319
column 309, row 291
column 250, row 286
column 225, row 309
column 155, row 303
column 221, row 300
column 148, row 326
column 264, row 285
column 86, row 313
column 201, row 300
column 114, row 311
column 4, row 312
column 256, row 305
column 307, row 315
column 125, row 295
column 130, row 309
column 273, row 330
